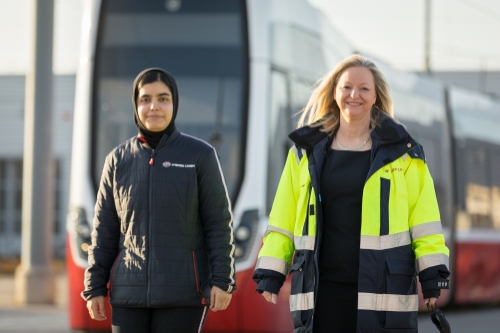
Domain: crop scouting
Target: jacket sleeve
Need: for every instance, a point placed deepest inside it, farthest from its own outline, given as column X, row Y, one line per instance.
column 217, row 219
column 275, row 256
column 428, row 242
column 105, row 237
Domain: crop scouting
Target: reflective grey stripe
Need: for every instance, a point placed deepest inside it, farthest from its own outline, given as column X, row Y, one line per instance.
column 387, row 302
column 287, row 233
column 426, row 229
column 302, row 302
column 274, row 264
column 385, row 242
column 432, row 260
column 230, row 224
column 304, row 242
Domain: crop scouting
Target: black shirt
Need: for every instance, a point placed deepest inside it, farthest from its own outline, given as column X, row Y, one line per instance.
column 342, row 181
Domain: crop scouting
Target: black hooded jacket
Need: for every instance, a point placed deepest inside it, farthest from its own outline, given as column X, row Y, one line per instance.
column 163, row 230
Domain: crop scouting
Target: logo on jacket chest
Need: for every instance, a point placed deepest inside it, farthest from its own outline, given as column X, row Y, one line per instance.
column 168, row 164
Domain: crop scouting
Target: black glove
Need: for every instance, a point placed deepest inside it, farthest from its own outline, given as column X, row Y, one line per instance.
column 439, row 319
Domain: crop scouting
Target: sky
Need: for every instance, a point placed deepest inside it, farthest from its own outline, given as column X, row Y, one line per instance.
column 16, row 30
column 465, row 34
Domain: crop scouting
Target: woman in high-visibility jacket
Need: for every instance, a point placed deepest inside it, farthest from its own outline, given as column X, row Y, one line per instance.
column 356, row 212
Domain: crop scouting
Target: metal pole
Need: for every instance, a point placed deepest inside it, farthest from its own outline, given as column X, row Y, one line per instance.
column 35, row 275
column 427, row 37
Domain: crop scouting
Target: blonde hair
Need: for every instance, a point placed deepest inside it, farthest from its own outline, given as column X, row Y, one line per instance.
column 322, row 109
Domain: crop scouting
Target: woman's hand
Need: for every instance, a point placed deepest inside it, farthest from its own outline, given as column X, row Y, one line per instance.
column 219, row 299
column 95, row 305
column 430, row 302
column 270, row 297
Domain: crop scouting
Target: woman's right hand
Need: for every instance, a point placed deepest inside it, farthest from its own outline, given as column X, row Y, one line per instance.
column 270, row 297
column 95, row 305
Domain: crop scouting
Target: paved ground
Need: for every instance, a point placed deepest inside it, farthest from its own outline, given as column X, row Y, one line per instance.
column 54, row 319
column 32, row 319
column 478, row 319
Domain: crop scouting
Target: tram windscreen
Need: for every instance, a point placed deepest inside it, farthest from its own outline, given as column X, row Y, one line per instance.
column 203, row 44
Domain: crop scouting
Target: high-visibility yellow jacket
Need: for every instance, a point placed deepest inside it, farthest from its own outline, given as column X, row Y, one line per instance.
column 401, row 233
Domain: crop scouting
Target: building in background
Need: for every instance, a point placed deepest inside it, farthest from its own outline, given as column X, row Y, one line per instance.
column 11, row 159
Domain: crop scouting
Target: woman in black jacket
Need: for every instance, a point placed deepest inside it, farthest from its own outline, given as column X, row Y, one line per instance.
column 162, row 244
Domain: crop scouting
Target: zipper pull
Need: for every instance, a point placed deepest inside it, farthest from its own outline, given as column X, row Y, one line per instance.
column 152, row 158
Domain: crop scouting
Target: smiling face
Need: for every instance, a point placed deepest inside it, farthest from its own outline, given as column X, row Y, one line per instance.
column 355, row 93
column 155, row 106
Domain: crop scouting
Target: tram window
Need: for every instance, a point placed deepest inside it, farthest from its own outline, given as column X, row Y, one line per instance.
column 202, row 44
column 477, row 189
column 476, row 158
column 278, row 144
column 495, row 168
column 495, row 188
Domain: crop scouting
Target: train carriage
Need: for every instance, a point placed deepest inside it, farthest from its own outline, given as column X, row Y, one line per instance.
column 244, row 69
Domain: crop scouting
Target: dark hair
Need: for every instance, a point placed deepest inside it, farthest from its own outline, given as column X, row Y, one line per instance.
column 150, row 77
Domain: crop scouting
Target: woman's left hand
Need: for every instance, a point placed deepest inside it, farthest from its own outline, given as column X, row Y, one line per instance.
column 219, row 299
column 430, row 301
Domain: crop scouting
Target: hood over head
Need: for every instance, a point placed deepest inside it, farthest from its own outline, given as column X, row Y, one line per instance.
column 147, row 76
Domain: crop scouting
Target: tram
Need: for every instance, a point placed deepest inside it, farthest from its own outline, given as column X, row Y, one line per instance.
column 244, row 69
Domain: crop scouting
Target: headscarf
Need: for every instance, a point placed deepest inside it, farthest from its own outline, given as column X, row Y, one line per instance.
column 153, row 138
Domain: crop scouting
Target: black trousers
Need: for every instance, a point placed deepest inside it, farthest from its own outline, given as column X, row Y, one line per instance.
column 158, row 320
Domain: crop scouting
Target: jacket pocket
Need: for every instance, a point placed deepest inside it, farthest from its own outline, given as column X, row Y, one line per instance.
column 298, row 262
column 302, row 289
column 400, row 277
column 113, row 271
column 401, row 280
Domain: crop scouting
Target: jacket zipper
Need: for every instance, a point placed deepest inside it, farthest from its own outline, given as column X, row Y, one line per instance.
column 111, row 278
column 150, row 206
column 195, row 272
column 153, row 151
column 318, row 220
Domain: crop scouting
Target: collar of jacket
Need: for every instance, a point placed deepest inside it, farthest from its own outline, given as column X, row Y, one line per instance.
column 165, row 140
column 388, row 132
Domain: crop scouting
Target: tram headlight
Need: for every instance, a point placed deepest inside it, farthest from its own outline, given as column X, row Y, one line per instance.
column 81, row 231
column 173, row 5
column 85, row 247
column 244, row 235
column 238, row 251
